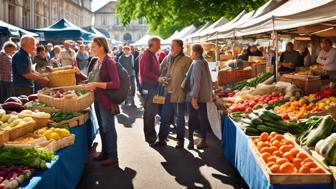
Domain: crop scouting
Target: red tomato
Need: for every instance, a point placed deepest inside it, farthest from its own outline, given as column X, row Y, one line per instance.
column 252, row 104
column 249, row 109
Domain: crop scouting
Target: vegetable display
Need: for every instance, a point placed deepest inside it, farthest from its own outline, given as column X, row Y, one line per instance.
column 62, row 116
column 31, row 157
column 327, row 148
column 53, row 133
column 252, row 83
column 61, row 93
column 8, row 121
column 12, row 176
column 282, row 157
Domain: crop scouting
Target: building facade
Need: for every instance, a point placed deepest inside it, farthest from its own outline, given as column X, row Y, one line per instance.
column 106, row 18
column 30, row 14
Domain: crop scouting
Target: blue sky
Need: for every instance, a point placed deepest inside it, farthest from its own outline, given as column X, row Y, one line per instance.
column 96, row 4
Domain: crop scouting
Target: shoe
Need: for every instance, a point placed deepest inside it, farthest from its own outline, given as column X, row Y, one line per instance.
column 151, row 141
column 160, row 143
column 100, row 157
column 180, row 144
column 110, row 162
column 202, row 144
column 191, row 145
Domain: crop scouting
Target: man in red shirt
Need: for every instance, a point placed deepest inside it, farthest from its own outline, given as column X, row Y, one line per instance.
column 149, row 73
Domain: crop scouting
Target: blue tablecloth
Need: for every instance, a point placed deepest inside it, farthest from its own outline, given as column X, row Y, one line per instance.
column 66, row 172
column 238, row 153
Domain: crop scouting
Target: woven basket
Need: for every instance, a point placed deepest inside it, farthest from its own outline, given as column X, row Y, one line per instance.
column 47, row 109
column 21, row 130
column 65, row 142
column 4, row 137
column 50, row 145
column 62, row 77
column 76, row 104
column 225, row 77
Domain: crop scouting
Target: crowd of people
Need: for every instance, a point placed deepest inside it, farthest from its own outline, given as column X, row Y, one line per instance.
column 184, row 82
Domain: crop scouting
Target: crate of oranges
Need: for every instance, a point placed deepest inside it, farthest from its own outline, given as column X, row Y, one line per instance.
column 285, row 162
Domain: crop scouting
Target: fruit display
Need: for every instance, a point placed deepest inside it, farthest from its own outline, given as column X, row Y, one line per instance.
column 281, row 156
column 256, row 102
column 251, row 83
column 28, row 138
column 61, row 93
column 263, row 120
column 305, row 106
column 318, row 128
column 16, row 104
column 223, row 93
column 8, row 121
column 53, row 133
column 29, row 113
column 31, row 157
column 62, row 116
column 12, row 176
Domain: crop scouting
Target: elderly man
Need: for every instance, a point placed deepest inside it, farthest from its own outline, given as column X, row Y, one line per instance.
column 6, row 76
column 177, row 65
column 327, row 58
column 149, row 70
column 67, row 56
column 23, row 74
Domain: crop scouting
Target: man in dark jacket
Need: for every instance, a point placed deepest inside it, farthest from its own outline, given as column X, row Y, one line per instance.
column 135, row 54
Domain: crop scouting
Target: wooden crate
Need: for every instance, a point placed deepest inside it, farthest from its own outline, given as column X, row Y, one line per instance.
column 4, row 137
column 307, row 84
column 318, row 178
column 225, row 77
column 73, row 122
column 319, row 158
column 21, row 130
column 223, row 57
column 258, row 68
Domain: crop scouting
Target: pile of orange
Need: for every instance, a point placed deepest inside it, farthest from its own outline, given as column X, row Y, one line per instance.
column 281, row 156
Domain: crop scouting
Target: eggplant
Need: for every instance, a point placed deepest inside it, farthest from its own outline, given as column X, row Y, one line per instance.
column 24, row 99
column 12, row 106
column 32, row 97
column 14, row 99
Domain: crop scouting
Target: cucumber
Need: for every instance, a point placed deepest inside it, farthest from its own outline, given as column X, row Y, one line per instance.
column 321, row 131
column 273, row 115
column 251, row 131
column 276, row 126
column 255, row 119
column 267, row 129
column 265, row 117
column 247, row 121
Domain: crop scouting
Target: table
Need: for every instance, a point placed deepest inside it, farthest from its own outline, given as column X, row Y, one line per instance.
column 238, row 153
column 66, row 172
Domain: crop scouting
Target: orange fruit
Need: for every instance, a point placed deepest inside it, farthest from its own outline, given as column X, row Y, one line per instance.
column 317, row 170
column 301, row 155
column 271, row 159
column 275, row 168
column 304, row 169
column 281, row 161
column 311, row 165
column 288, row 155
column 276, row 144
column 261, row 144
column 273, row 134
column 286, row 168
column 277, row 153
column 267, row 143
column 264, row 136
column 288, row 142
column 265, row 149
column 285, row 148
column 297, row 162
column 273, row 149
column 269, row 164
column 294, row 152
column 265, row 156
column 279, row 137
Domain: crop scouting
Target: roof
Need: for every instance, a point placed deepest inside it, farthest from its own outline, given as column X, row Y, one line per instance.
column 104, row 6
column 14, row 31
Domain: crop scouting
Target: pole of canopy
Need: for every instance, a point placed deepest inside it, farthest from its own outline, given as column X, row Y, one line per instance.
column 217, row 53
column 276, row 49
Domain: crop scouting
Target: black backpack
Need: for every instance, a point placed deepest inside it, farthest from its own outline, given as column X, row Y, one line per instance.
column 117, row 96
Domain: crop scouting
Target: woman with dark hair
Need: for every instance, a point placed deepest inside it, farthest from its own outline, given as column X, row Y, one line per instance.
column 199, row 93
column 104, row 75
column 305, row 58
column 290, row 59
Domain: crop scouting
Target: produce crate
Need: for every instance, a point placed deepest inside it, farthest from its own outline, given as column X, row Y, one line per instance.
column 21, row 130
column 73, row 122
column 306, row 83
column 295, row 178
column 4, row 137
column 39, row 122
column 225, row 77
column 258, row 68
column 62, row 77
column 223, row 57
column 319, row 158
column 15, row 144
column 47, row 109
column 331, row 111
column 65, row 142
column 50, row 145
column 67, row 104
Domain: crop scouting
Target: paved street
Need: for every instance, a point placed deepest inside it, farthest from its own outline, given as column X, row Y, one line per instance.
column 144, row 167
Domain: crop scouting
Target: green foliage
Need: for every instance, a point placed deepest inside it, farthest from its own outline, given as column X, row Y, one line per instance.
column 164, row 17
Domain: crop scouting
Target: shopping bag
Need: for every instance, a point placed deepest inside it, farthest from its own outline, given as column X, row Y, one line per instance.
column 159, row 98
column 214, row 119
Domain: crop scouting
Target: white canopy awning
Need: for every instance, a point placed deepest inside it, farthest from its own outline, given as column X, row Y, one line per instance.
column 143, row 42
column 209, row 30
column 193, row 35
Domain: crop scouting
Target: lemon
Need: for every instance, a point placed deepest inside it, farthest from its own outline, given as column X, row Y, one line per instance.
column 55, row 136
column 62, row 132
column 47, row 133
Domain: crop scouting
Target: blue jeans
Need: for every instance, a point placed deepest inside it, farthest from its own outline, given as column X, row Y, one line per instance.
column 108, row 133
column 168, row 110
column 198, row 117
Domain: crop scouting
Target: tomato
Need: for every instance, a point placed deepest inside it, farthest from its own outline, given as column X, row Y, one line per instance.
column 286, row 117
column 252, row 104
column 249, row 109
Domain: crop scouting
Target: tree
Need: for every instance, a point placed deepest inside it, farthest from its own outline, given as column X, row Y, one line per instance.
column 164, row 17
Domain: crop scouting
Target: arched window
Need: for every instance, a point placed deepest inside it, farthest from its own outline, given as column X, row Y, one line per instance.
column 127, row 38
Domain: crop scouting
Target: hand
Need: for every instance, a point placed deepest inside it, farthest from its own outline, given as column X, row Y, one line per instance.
column 77, row 70
column 161, row 80
column 194, row 103
column 91, row 86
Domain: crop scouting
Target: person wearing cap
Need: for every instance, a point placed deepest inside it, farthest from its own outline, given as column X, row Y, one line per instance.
column 127, row 61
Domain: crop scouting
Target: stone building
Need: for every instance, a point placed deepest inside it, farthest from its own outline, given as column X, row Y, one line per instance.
column 106, row 17
column 45, row 12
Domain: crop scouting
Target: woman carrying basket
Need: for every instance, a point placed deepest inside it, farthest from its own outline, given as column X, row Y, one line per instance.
column 104, row 76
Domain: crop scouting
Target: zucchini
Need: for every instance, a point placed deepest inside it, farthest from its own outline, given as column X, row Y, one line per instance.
column 255, row 119
column 276, row 126
column 320, row 132
column 265, row 117
column 245, row 120
column 267, row 129
column 251, row 131
column 273, row 115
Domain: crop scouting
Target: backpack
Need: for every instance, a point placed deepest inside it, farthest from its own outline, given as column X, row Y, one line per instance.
column 117, row 96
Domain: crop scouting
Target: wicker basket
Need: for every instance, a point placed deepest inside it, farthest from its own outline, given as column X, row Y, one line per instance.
column 225, row 77
column 50, row 145
column 69, row 104
column 47, row 109
column 4, row 137
column 62, row 77
column 65, row 142
column 21, row 130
